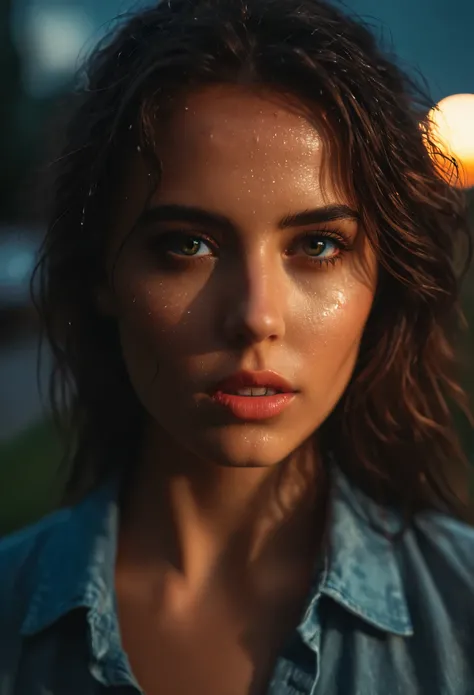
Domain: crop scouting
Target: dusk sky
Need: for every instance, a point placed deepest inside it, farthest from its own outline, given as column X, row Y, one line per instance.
column 435, row 37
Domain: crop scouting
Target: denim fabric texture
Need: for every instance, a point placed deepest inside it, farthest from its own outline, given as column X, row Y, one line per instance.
column 388, row 614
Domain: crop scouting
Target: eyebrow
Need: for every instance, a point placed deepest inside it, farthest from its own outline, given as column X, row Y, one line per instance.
column 183, row 213
column 205, row 218
column 328, row 213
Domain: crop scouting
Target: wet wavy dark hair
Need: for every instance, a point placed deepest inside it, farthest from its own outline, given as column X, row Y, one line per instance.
column 392, row 431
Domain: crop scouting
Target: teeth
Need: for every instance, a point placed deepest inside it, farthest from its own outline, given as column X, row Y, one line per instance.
column 256, row 391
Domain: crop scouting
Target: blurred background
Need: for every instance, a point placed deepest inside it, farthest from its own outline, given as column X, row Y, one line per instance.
column 41, row 46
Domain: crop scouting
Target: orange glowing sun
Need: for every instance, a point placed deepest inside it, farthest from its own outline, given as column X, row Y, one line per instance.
column 453, row 131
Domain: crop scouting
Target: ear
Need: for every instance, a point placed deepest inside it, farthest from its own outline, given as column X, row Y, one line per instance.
column 106, row 301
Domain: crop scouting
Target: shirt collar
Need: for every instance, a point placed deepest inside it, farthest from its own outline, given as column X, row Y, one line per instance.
column 362, row 571
column 76, row 563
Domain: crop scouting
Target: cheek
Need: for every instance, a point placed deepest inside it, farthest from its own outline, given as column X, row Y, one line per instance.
column 331, row 344
column 158, row 318
column 336, row 320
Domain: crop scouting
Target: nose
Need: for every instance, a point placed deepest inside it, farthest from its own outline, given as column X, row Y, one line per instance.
column 255, row 307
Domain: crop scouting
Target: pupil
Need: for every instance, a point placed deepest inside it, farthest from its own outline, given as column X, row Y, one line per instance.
column 316, row 246
column 190, row 246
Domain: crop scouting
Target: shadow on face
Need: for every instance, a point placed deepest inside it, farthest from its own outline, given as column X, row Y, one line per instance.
column 246, row 257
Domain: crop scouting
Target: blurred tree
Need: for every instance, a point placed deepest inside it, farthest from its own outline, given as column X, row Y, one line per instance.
column 23, row 119
column 12, row 146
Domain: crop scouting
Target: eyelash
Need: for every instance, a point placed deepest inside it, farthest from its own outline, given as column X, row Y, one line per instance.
column 159, row 244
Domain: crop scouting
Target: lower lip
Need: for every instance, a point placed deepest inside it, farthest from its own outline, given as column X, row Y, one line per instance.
column 254, row 407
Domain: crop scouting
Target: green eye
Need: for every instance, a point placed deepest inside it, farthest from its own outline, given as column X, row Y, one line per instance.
column 189, row 246
column 317, row 247
column 181, row 245
column 314, row 246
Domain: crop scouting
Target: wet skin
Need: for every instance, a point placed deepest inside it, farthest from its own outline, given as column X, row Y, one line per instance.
column 248, row 257
column 235, row 267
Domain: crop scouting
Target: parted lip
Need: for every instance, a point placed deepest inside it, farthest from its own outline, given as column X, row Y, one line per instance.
column 245, row 379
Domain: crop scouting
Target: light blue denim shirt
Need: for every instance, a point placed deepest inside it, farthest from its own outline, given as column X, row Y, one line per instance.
column 385, row 616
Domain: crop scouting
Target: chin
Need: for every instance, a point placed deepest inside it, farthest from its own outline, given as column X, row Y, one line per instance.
column 246, row 449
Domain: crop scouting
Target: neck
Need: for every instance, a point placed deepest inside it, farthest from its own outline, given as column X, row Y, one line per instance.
column 205, row 521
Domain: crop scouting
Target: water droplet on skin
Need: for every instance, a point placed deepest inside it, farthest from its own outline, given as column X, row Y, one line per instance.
column 139, row 149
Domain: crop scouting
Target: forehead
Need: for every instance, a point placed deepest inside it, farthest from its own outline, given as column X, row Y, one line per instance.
column 220, row 115
column 247, row 132
column 239, row 151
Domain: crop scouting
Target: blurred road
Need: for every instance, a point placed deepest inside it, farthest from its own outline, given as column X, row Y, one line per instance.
column 20, row 403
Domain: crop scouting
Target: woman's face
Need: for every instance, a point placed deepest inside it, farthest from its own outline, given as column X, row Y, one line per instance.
column 248, row 259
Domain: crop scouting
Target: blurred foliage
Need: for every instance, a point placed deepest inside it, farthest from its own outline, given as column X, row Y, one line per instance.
column 30, row 480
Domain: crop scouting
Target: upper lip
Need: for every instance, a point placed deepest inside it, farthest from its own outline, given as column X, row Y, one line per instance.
column 245, row 379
